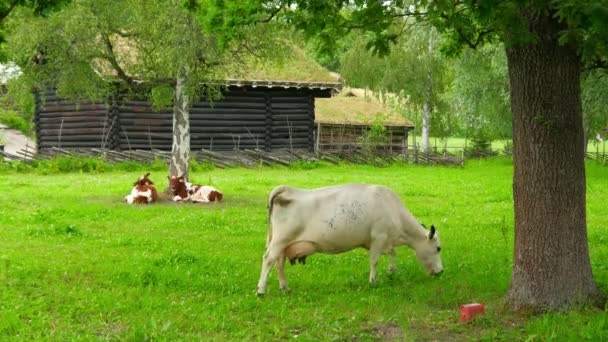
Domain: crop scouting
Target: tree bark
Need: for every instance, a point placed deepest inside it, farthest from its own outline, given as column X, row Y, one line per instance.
column 180, row 152
column 426, row 113
column 427, row 106
column 551, row 266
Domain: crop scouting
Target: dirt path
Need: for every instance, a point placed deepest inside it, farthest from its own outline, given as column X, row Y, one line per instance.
column 14, row 140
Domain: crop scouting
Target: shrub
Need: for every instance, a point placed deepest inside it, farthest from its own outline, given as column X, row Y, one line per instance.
column 481, row 148
column 376, row 137
column 78, row 164
column 14, row 121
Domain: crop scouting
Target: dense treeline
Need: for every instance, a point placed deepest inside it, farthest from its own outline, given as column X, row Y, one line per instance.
column 469, row 94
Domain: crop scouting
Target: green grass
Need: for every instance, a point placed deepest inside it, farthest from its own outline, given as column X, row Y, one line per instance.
column 78, row 264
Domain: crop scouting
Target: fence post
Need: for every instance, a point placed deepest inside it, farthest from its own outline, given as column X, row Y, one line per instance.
column 115, row 121
column 318, row 138
column 311, row 124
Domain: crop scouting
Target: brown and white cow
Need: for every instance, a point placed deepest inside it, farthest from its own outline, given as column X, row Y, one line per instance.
column 186, row 191
column 144, row 191
column 338, row 219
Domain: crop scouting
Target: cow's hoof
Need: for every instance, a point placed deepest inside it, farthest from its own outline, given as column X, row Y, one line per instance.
column 285, row 289
column 259, row 293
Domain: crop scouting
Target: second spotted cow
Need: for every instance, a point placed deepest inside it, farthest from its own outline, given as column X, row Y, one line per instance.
column 181, row 190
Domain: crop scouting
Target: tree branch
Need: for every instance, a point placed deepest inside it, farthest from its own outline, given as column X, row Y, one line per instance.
column 272, row 13
column 111, row 56
column 8, row 11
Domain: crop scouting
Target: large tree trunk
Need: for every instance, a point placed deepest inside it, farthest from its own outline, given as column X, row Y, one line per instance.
column 551, row 266
column 180, row 154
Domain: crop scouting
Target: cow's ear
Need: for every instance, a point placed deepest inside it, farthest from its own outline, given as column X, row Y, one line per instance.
column 422, row 224
column 147, row 174
column 432, row 233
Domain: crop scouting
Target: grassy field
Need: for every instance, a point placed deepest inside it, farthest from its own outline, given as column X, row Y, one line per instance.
column 78, row 264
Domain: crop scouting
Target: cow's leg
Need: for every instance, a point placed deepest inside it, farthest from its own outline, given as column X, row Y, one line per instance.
column 375, row 250
column 270, row 257
column 281, row 272
column 392, row 267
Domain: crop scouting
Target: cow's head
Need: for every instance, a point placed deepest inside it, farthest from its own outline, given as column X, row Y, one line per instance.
column 143, row 180
column 428, row 252
column 176, row 184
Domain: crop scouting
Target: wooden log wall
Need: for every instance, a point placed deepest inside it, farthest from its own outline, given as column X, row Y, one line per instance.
column 67, row 124
column 291, row 120
column 245, row 118
column 141, row 127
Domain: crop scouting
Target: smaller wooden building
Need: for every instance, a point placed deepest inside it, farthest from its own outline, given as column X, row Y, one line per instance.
column 344, row 122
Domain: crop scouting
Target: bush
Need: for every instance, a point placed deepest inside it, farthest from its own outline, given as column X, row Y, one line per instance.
column 14, row 121
column 78, row 164
column 375, row 138
column 481, row 148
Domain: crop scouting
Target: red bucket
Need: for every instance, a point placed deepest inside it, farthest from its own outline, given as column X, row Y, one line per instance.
column 468, row 311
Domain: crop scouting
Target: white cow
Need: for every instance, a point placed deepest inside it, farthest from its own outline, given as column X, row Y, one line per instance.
column 338, row 219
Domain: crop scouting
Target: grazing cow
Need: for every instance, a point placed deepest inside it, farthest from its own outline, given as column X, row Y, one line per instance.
column 338, row 219
column 184, row 191
column 143, row 192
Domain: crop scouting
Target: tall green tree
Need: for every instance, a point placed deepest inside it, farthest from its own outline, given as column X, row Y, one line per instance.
column 595, row 104
column 414, row 68
column 479, row 92
column 547, row 43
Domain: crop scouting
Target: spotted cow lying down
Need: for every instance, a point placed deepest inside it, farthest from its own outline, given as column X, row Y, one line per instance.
column 144, row 191
column 186, row 191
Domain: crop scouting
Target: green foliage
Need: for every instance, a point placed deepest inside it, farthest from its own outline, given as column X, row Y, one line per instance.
column 162, row 97
column 38, row 7
column 80, row 164
column 75, row 258
column 479, row 93
column 330, row 59
column 15, row 121
column 376, row 136
column 481, row 147
column 595, row 102
column 412, row 74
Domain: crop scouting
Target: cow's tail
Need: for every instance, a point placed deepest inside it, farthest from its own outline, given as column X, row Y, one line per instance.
column 275, row 197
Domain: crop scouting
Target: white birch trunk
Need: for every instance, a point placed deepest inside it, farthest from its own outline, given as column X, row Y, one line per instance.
column 427, row 108
column 180, row 153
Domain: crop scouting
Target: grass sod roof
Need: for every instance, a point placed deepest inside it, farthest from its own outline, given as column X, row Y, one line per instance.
column 352, row 107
